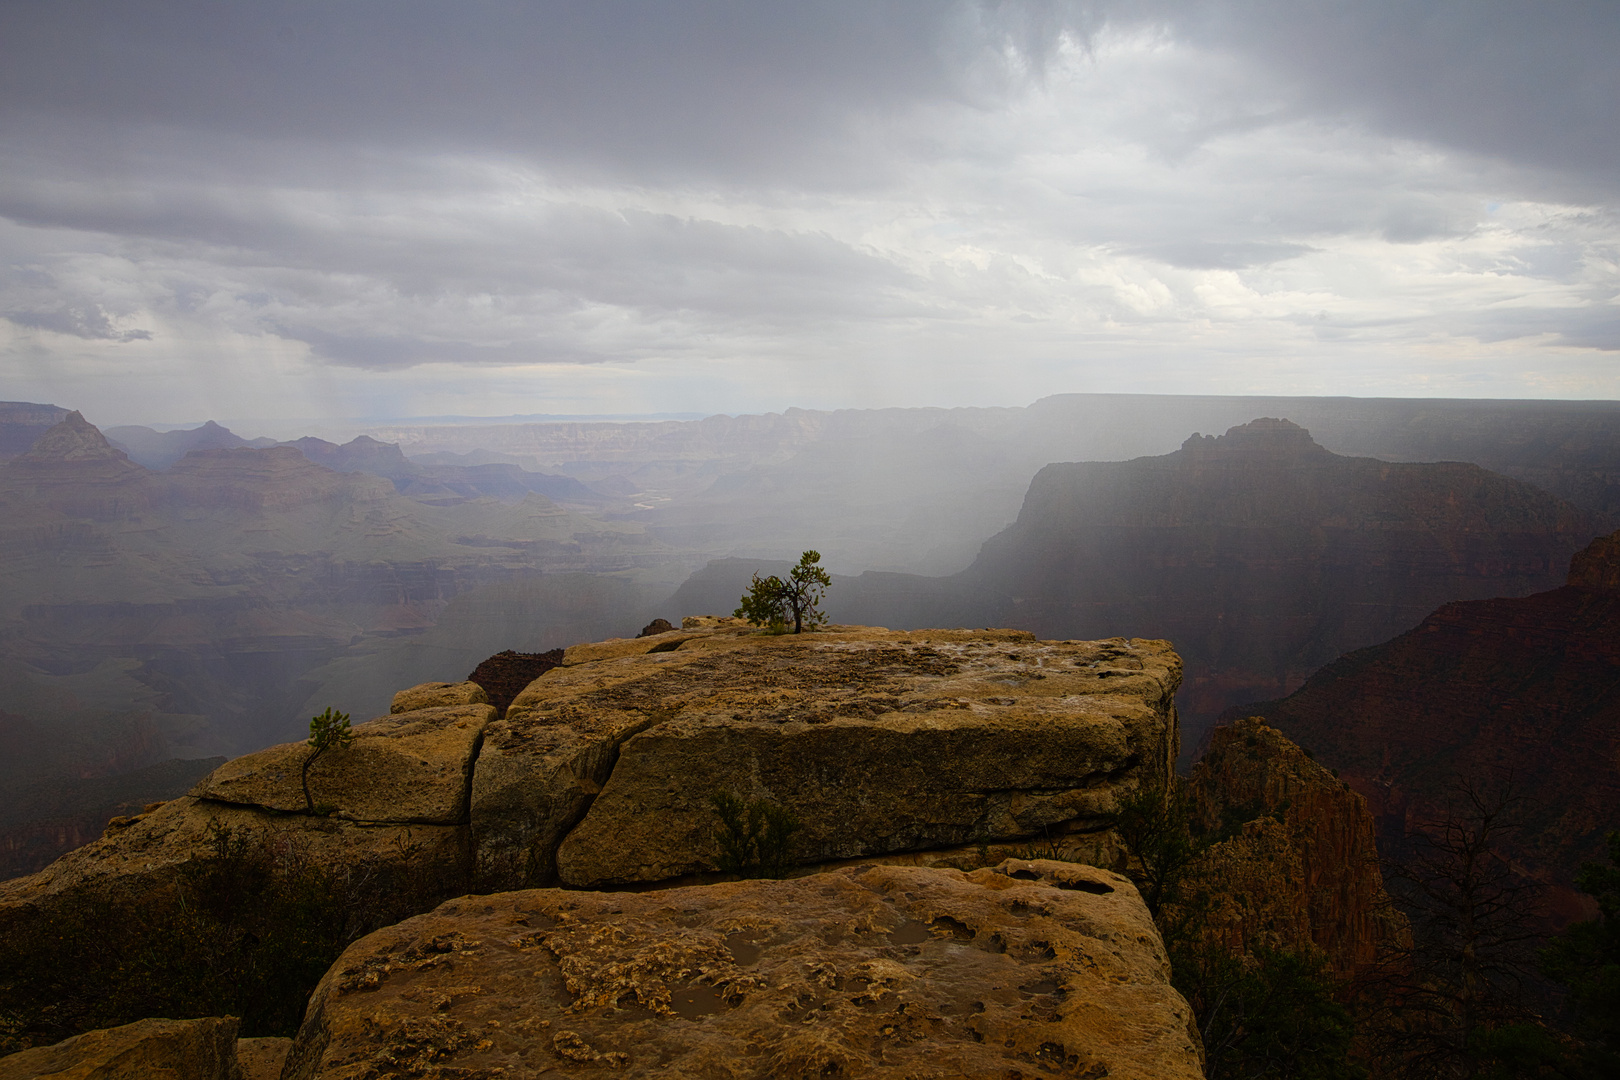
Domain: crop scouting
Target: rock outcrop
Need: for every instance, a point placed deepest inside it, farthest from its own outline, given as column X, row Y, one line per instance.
column 880, row 742
column 884, row 744
column 1026, row 969
column 1513, row 689
column 436, row 694
column 168, row 1049
column 408, row 767
column 1296, row 866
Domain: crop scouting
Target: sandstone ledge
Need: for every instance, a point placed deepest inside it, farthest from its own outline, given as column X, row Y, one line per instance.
column 1030, row 968
column 881, row 742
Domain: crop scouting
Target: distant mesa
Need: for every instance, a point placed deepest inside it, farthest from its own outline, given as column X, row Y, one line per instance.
column 1260, row 554
column 160, row 449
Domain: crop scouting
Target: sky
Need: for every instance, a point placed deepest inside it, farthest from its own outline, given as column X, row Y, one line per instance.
column 336, row 209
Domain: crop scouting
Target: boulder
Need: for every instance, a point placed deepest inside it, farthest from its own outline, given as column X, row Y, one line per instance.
column 262, row 1059
column 880, row 742
column 145, row 1050
column 431, row 695
column 407, row 767
column 1025, row 969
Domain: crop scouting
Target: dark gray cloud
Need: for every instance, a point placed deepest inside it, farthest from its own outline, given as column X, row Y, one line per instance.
column 743, row 196
column 1535, row 84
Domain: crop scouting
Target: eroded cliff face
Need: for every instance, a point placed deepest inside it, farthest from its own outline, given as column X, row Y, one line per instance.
column 1513, row 689
column 1264, row 556
column 1297, row 867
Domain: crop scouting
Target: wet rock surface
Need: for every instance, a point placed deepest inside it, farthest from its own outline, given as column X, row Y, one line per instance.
column 878, row 741
column 161, row 1049
column 1026, row 969
column 406, row 767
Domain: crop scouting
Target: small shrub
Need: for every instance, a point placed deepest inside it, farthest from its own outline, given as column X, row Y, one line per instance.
column 756, row 838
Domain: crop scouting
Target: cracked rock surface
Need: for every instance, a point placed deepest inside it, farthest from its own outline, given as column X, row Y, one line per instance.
column 1027, row 969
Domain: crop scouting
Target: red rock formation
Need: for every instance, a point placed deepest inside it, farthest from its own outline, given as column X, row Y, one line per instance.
column 1262, row 555
column 1303, row 866
column 1525, row 690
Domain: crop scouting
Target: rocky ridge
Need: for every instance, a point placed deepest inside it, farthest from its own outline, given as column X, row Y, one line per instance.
column 970, row 743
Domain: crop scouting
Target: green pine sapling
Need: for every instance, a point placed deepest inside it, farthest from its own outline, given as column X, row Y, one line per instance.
column 328, row 731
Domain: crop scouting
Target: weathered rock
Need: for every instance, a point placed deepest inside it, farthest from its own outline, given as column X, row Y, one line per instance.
column 262, row 1059
column 1030, row 968
column 1301, row 868
column 145, row 1050
column 432, row 695
column 505, row 675
column 143, row 856
column 657, row 626
column 407, row 767
column 880, row 742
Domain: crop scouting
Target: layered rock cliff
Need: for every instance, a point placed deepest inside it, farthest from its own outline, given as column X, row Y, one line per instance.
column 883, row 743
column 1295, row 865
column 1522, row 691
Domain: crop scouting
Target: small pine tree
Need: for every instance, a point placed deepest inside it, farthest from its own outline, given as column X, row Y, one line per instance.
column 328, row 731
column 771, row 601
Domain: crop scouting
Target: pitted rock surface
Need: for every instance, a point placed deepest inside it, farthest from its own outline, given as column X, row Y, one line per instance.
column 405, row 767
column 1024, row 970
column 430, row 695
column 882, row 742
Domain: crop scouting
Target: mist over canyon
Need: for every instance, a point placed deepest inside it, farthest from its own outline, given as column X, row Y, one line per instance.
column 188, row 594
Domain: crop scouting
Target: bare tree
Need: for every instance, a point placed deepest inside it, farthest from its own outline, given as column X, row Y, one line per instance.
column 1436, row 1004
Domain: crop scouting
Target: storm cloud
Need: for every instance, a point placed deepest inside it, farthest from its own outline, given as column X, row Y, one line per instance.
column 386, row 208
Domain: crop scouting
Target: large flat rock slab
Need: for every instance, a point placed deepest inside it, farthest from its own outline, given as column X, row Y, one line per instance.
column 406, row 767
column 880, row 742
column 1023, row 970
